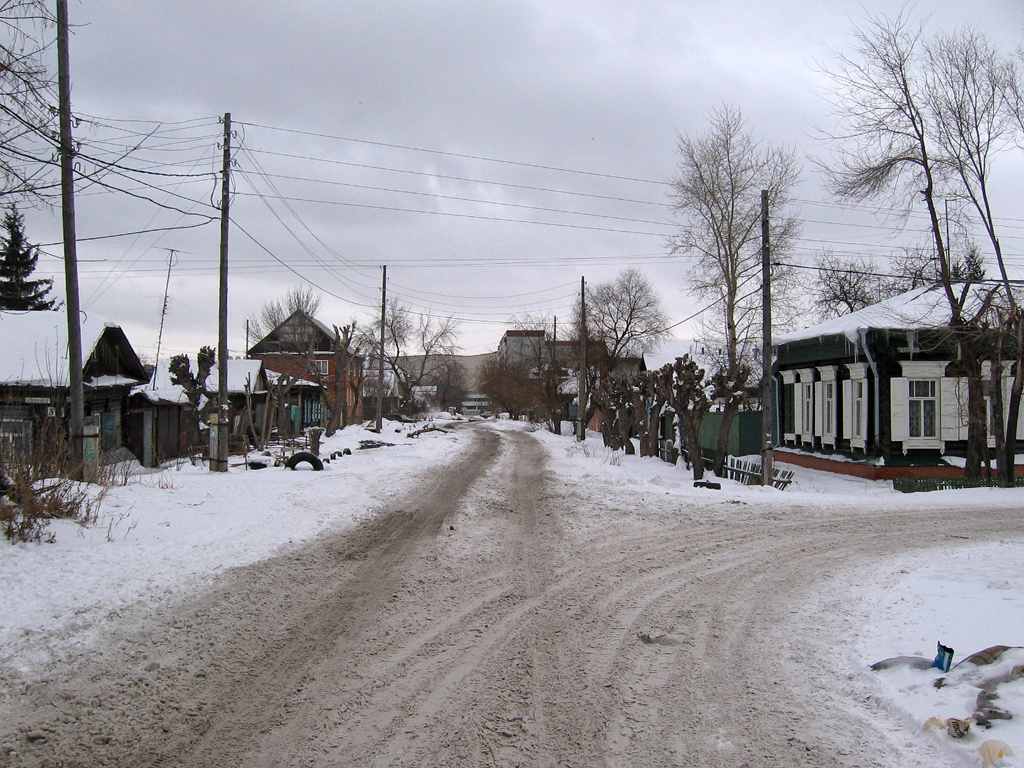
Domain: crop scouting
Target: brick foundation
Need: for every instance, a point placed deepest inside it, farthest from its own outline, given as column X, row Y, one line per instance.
column 866, row 471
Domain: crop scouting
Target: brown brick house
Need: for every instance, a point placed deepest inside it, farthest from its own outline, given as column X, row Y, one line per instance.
column 303, row 348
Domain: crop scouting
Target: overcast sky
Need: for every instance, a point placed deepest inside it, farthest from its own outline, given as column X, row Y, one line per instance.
column 490, row 153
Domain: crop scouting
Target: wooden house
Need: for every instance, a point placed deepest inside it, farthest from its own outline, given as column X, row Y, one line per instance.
column 882, row 383
column 35, row 381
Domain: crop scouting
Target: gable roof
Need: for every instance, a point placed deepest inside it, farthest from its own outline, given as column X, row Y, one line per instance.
column 35, row 351
column 281, row 338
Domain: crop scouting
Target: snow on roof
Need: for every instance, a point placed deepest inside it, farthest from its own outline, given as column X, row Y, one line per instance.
column 273, row 376
column 161, row 389
column 571, row 386
column 242, row 372
column 35, row 346
column 111, row 381
column 914, row 310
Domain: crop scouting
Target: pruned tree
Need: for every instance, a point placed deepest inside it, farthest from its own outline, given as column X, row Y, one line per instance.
column 716, row 195
column 626, row 314
column 683, row 386
column 18, row 260
column 200, row 398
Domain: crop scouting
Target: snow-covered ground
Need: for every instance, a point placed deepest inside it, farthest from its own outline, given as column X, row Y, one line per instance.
column 169, row 532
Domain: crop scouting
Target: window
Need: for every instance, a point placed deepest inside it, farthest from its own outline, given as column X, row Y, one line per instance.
column 923, row 406
column 321, row 367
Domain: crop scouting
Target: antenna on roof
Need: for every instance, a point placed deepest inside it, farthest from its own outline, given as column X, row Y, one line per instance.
column 172, row 259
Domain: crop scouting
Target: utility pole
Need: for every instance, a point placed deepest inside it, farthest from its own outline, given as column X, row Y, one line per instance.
column 582, row 394
column 768, row 451
column 380, row 361
column 219, row 431
column 67, row 195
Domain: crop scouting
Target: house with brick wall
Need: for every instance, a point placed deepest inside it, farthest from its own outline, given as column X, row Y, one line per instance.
column 302, row 348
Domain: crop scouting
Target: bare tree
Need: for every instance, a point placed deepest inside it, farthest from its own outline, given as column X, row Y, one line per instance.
column 717, row 196
column 451, row 383
column 920, row 120
column 847, row 284
column 972, row 96
column 276, row 311
column 26, row 98
column 884, row 146
column 345, row 350
column 417, row 346
column 510, row 385
column 626, row 314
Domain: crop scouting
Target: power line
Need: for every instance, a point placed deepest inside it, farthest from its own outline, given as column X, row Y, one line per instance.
column 447, row 177
column 458, row 154
column 456, row 198
column 397, row 209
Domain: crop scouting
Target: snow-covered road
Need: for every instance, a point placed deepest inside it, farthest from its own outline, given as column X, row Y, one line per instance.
column 513, row 599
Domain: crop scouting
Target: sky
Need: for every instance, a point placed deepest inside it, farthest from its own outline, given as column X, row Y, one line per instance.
column 490, row 154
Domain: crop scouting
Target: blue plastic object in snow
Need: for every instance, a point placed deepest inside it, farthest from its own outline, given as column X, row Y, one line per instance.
column 944, row 658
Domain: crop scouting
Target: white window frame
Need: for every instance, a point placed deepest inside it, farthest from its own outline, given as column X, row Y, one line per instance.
column 918, row 373
column 828, row 428
column 805, row 388
column 789, row 379
column 321, row 367
column 858, row 429
column 856, row 406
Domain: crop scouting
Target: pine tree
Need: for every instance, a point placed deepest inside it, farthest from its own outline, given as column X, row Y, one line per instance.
column 17, row 263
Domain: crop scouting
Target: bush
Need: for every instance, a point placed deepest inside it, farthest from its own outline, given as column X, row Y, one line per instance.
column 38, row 488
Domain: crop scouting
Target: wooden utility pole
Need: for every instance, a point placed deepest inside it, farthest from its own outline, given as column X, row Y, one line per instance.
column 768, row 451
column 581, row 415
column 219, row 449
column 380, row 361
column 67, row 194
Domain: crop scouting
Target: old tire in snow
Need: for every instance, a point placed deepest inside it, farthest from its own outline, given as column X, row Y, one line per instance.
column 304, row 456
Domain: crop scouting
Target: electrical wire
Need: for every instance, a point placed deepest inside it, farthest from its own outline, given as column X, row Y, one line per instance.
column 457, row 154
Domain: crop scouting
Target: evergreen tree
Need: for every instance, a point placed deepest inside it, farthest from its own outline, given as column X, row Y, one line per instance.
column 17, row 263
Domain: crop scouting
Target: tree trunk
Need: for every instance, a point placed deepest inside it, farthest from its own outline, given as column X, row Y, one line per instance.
column 691, row 426
column 1009, row 456
column 996, row 389
column 977, row 432
column 625, row 427
column 732, row 407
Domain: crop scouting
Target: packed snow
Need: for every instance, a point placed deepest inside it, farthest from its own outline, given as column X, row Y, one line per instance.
column 167, row 533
